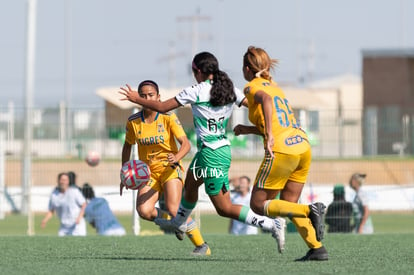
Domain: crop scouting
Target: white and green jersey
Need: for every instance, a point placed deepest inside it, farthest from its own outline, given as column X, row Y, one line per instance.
column 210, row 122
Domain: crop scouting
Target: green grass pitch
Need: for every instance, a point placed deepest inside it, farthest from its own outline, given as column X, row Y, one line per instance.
column 388, row 251
column 163, row 254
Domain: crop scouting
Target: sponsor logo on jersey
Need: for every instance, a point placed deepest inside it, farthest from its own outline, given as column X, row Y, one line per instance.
column 294, row 140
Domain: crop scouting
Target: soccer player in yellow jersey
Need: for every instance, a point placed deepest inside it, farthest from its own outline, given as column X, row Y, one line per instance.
column 155, row 134
column 212, row 100
column 287, row 157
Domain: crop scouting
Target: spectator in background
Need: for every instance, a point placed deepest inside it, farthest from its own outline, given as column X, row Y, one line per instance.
column 69, row 204
column 234, row 183
column 363, row 222
column 99, row 215
column 241, row 195
column 339, row 214
column 72, row 179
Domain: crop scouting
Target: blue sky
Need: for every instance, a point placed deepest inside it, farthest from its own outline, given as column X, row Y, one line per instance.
column 126, row 41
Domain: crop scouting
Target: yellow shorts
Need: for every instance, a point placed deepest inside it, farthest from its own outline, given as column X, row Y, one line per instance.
column 162, row 174
column 275, row 172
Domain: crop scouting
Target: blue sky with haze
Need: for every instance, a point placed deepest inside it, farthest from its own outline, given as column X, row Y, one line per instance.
column 126, row 41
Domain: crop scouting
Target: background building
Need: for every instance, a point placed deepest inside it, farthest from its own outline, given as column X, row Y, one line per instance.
column 388, row 80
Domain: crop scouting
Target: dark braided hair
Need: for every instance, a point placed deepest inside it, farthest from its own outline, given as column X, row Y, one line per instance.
column 222, row 90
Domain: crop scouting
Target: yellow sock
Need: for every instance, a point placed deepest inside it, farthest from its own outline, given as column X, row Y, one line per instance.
column 194, row 234
column 163, row 214
column 306, row 230
column 276, row 208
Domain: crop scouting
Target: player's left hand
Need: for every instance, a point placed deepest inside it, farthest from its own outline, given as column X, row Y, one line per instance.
column 129, row 93
column 172, row 159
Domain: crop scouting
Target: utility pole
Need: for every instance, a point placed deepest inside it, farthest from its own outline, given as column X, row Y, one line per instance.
column 195, row 35
column 67, row 131
column 171, row 58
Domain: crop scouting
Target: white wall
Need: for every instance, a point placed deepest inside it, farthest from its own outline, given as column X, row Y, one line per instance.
column 390, row 197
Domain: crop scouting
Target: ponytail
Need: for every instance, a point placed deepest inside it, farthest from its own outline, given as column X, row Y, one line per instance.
column 222, row 90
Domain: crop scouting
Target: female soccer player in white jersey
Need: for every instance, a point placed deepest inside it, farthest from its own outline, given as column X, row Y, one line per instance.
column 212, row 101
column 69, row 205
column 156, row 136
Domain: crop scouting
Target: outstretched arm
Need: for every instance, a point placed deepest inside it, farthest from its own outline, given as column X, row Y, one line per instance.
column 158, row 106
column 246, row 130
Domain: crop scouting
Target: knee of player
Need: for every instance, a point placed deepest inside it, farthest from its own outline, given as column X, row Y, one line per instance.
column 144, row 212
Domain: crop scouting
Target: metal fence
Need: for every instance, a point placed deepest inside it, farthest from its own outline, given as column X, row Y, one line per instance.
column 332, row 133
column 342, row 143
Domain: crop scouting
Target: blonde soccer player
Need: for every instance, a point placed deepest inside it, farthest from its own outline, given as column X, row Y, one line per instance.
column 212, row 101
column 287, row 157
column 155, row 133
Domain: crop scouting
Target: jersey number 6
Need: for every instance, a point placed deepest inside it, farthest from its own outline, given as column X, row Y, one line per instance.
column 284, row 112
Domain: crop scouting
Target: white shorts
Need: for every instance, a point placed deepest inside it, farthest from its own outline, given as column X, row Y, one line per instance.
column 119, row 231
column 74, row 230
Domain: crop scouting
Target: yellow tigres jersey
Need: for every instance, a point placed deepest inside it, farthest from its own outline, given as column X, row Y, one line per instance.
column 289, row 137
column 155, row 140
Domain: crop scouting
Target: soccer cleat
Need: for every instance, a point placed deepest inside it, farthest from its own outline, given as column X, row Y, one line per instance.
column 168, row 225
column 278, row 232
column 179, row 235
column 318, row 254
column 202, row 250
column 317, row 210
column 179, row 227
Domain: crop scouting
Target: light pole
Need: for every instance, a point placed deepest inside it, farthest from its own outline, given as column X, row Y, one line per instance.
column 28, row 104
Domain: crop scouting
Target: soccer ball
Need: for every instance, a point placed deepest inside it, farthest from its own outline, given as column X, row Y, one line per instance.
column 92, row 158
column 135, row 174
